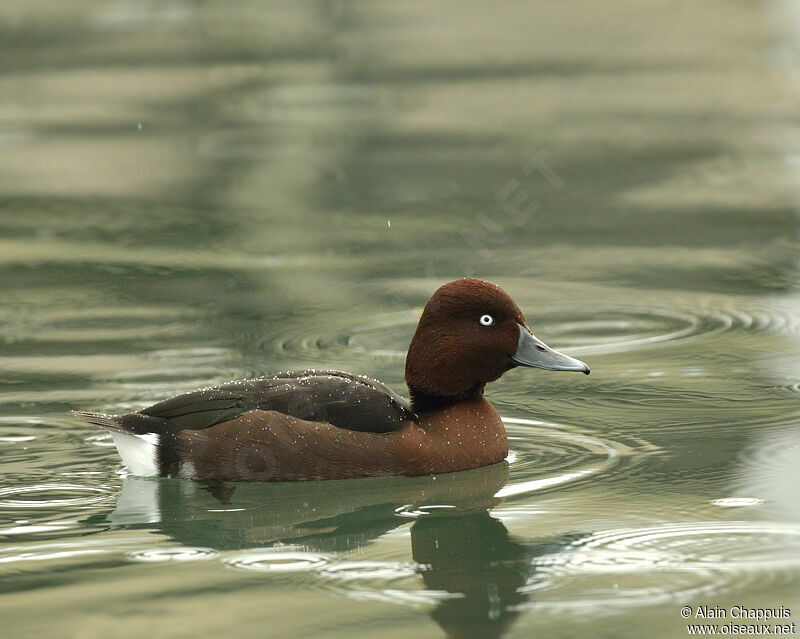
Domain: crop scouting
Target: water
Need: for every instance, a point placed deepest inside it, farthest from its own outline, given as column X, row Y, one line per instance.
column 191, row 193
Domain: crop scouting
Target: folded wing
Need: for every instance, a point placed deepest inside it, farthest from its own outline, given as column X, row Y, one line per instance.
column 343, row 400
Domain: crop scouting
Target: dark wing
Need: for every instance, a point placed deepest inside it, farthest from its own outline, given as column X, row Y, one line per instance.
column 343, row 400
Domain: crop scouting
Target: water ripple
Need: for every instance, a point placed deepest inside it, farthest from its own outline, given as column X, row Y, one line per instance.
column 278, row 560
column 27, row 558
column 671, row 562
column 55, row 495
column 363, row 571
column 396, row 582
column 173, row 553
column 71, row 325
column 326, row 340
column 623, row 327
column 21, row 429
column 544, row 455
column 606, row 328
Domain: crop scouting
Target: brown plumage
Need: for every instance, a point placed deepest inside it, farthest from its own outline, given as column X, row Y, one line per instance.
column 332, row 425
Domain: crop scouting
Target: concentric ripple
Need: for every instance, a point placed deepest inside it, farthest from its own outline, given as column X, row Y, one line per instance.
column 384, row 571
column 669, row 562
column 277, row 560
column 368, row 580
column 30, row 558
column 103, row 339
column 97, row 324
column 384, row 335
column 176, row 553
column 617, row 327
column 56, row 495
column 21, row 429
column 544, row 455
column 395, row 582
column 623, row 327
column 44, row 450
column 611, row 327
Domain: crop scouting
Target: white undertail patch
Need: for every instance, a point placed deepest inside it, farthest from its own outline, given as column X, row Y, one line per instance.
column 139, row 452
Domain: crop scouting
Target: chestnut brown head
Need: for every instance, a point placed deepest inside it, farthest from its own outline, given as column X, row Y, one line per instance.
column 470, row 333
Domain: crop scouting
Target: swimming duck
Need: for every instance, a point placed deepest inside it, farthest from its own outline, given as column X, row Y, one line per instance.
column 322, row 424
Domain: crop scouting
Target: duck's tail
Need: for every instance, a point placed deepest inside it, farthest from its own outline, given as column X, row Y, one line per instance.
column 138, row 451
column 111, row 422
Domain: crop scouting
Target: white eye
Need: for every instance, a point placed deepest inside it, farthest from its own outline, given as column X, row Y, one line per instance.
column 487, row 320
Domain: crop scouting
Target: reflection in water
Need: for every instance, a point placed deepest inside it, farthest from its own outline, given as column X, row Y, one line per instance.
column 472, row 570
column 323, row 516
column 474, row 558
column 467, row 570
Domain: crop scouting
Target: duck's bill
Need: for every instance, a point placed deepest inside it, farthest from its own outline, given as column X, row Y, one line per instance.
column 533, row 352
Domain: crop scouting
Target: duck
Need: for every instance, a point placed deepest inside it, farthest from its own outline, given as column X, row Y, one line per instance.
column 326, row 424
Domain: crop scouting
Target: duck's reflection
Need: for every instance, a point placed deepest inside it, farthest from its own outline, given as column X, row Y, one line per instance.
column 472, row 556
column 460, row 548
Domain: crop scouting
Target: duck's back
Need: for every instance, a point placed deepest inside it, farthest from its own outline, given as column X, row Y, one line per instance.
column 341, row 399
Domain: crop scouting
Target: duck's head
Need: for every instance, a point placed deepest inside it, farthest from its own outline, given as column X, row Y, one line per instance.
column 470, row 333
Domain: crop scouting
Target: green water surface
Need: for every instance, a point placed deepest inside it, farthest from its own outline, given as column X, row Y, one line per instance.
column 192, row 192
